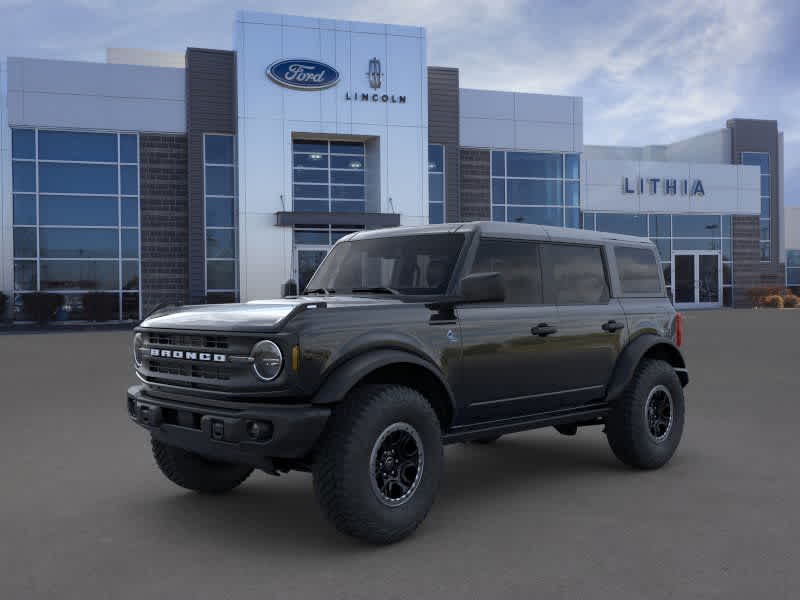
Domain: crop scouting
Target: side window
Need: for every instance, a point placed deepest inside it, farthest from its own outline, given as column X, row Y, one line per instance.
column 638, row 271
column 518, row 262
column 574, row 274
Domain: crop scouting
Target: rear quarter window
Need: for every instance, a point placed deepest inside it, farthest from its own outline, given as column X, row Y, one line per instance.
column 638, row 271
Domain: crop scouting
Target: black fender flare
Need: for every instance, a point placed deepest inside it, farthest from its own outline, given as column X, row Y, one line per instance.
column 345, row 376
column 630, row 357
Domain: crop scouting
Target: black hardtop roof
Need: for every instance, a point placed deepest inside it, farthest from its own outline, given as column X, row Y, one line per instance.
column 525, row 231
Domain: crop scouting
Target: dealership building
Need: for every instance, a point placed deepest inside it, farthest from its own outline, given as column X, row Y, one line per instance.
column 217, row 175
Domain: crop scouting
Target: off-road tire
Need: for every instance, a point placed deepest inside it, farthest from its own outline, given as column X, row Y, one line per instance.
column 195, row 472
column 627, row 426
column 343, row 465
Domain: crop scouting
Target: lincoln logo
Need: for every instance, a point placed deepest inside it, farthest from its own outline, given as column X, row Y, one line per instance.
column 301, row 74
column 375, row 78
column 185, row 355
column 374, row 74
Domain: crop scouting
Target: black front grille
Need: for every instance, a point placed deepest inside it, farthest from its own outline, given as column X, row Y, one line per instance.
column 211, row 342
column 188, row 370
column 197, row 371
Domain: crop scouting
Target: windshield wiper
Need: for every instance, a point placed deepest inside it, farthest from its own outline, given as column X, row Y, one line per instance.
column 321, row 290
column 376, row 290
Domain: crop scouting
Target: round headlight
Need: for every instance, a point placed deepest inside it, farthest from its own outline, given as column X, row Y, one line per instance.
column 138, row 342
column 267, row 360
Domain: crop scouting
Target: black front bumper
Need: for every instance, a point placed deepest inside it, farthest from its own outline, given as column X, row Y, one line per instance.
column 221, row 431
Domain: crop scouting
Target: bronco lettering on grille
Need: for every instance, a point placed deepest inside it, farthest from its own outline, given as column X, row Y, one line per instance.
column 180, row 354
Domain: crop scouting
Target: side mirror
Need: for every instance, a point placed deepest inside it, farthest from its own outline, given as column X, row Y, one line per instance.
column 483, row 287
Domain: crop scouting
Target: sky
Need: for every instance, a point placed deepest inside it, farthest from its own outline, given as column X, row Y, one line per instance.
column 649, row 72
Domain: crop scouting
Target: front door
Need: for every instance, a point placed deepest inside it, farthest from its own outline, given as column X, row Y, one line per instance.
column 307, row 261
column 697, row 279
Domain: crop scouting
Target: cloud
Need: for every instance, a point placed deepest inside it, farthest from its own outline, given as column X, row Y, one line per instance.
column 686, row 73
column 649, row 72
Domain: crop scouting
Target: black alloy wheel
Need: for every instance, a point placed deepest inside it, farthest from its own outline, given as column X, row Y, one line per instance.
column 658, row 412
column 397, row 461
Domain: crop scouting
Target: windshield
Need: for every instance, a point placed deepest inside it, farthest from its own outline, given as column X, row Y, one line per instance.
column 407, row 265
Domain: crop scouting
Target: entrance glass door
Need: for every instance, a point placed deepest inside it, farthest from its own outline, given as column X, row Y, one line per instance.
column 696, row 279
column 708, row 279
column 683, row 274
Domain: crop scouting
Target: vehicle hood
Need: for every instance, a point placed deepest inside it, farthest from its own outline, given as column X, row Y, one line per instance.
column 256, row 316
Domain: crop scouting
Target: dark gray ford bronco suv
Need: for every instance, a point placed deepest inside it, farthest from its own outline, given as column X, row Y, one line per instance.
column 407, row 339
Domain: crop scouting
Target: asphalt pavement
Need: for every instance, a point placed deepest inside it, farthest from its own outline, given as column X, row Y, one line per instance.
column 85, row 514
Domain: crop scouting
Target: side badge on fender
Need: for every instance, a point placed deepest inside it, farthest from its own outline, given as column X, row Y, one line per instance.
column 451, row 336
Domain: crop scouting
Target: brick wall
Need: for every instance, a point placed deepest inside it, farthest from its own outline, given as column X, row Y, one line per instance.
column 165, row 232
column 748, row 270
column 746, row 254
column 475, row 199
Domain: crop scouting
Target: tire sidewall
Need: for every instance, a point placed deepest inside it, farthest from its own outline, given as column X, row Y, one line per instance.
column 657, row 453
column 343, row 471
column 409, row 410
column 628, row 428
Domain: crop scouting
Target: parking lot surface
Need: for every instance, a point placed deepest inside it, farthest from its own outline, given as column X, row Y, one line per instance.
column 84, row 513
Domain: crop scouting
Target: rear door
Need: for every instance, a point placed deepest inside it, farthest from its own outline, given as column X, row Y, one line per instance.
column 592, row 324
column 508, row 369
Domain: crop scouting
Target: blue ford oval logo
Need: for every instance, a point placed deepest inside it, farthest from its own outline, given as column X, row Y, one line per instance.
column 303, row 74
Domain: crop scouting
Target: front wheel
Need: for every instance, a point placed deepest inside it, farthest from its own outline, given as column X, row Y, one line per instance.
column 378, row 465
column 645, row 424
column 195, row 472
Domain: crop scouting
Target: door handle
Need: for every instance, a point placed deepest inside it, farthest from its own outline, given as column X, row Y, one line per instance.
column 543, row 329
column 612, row 326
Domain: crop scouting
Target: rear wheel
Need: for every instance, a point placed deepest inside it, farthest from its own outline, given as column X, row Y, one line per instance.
column 195, row 472
column 645, row 425
column 378, row 465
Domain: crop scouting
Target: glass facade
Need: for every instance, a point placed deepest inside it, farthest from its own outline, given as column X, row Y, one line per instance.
column 761, row 160
column 219, row 158
column 673, row 233
column 435, row 183
column 328, row 176
column 793, row 268
column 536, row 187
column 76, row 219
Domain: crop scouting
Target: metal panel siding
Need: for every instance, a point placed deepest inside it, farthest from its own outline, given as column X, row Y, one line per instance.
column 86, row 95
column 753, row 135
column 6, row 204
column 210, row 108
column 443, row 128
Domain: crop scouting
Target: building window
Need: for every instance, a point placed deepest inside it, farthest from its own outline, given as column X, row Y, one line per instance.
column 793, row 268
column 328, row 176
column 221, row 227
column 761, row 160
column 436, row 183
column 674, row 232
column 76, row 220
column 535, row 187
column 312, row 244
